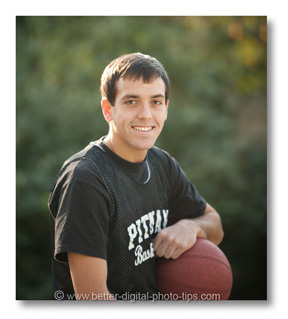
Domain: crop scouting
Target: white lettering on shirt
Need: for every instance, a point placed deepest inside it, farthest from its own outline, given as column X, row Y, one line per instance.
column 144, row 227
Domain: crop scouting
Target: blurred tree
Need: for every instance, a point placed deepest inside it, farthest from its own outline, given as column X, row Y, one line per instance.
column 216, row 126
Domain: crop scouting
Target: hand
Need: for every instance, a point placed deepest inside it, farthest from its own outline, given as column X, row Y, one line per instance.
column 174, row 240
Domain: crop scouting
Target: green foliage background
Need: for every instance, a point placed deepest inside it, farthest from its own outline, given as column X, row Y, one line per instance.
column 216, row 126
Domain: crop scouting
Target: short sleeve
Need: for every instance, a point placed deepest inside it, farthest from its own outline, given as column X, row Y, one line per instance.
column 81, row 219
column 185, row 200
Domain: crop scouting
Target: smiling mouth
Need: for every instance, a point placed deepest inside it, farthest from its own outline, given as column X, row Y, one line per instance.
column 143, row 128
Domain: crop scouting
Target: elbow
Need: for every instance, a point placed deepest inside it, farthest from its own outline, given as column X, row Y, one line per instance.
column 219, row 237
column 218, row 233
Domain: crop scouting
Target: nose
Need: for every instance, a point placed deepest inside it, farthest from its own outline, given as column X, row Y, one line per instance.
column 145, row 112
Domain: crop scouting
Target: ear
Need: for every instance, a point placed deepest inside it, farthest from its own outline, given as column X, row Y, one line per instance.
column 166, row 107
column 106, row 109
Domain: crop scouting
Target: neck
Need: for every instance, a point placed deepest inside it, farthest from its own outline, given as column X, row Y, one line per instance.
column 130, row 155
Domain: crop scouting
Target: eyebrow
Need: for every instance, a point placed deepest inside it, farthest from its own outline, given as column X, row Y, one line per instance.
column 158, row 95
column 131, row 96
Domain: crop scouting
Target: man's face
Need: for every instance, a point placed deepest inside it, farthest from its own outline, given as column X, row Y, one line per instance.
column 137, row 117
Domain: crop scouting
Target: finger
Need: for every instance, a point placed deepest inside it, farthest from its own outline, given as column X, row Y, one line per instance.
column 156, row 243
column 177, row 253
column 160, row 249
column 181, row 248
column 163, row 248
column 159, row 240
column 166, row 248
column 170, row 251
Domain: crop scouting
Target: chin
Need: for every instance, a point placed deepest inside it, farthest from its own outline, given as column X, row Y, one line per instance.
column 144, row 146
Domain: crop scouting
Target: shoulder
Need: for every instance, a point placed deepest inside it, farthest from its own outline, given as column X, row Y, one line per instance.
column 78, row 168
column 174, row 171
column 159, row 154
column 81, row 170
column 166, row 159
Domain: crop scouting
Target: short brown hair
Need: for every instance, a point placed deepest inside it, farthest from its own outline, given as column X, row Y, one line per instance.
column 133, row 66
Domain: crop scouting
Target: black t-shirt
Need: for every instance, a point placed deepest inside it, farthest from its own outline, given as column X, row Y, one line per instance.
column 106, row 207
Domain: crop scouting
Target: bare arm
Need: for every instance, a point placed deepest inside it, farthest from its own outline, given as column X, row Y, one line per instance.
column 89, row 277
column 174, row 240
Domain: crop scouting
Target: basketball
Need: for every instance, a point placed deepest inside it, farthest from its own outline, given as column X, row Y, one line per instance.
column 201, row 273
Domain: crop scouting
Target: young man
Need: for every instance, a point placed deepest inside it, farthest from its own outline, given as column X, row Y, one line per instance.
column 121, row 202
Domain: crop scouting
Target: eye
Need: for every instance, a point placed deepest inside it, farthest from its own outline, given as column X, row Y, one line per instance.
column 157, row 102
column 130, row 102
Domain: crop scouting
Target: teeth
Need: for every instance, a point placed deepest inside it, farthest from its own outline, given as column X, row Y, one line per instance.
column 143, row 128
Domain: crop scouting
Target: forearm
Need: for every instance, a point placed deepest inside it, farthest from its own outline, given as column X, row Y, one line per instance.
column 172, row 241
column 210, row 226
column 89, row 276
